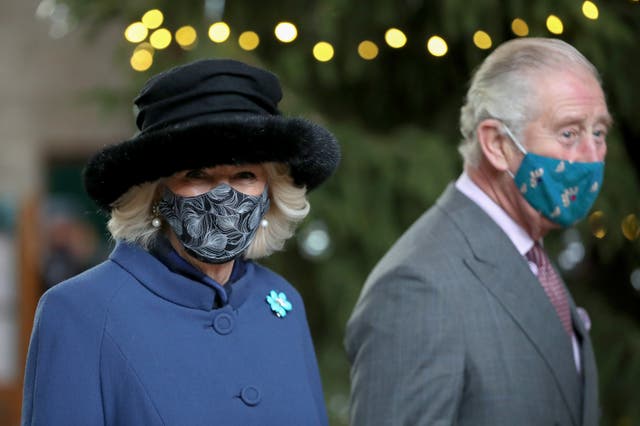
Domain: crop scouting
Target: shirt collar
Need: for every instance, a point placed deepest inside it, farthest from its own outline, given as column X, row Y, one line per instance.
column 516, row 233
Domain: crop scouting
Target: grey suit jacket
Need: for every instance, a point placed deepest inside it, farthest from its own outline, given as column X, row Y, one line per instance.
column 452, row 328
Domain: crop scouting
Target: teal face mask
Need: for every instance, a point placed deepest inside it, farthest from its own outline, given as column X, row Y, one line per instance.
column 562, row 191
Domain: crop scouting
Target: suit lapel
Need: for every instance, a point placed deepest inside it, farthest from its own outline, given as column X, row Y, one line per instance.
column 590, row 408
column 506, row 275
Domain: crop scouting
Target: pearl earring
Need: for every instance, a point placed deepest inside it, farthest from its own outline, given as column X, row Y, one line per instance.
column 156, row 222
column 264, row 223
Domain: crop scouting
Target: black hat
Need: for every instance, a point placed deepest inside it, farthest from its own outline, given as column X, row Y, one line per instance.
column 207, row 113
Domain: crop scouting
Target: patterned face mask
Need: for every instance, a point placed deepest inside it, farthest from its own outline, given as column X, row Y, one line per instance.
column 561, row 190
column 217, row 226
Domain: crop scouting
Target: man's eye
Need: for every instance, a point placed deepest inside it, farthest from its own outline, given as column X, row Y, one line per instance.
column 569, row 137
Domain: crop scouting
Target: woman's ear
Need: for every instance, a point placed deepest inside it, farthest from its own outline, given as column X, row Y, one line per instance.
column 492, row 140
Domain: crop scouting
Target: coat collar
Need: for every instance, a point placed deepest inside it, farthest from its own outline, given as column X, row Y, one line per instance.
column 176, row 287
column 506, row 275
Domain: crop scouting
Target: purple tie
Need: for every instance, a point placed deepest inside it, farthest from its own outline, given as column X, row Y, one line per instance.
column 552, row 285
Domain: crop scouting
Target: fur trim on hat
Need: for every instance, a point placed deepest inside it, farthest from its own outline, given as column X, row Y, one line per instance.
column 310, row 150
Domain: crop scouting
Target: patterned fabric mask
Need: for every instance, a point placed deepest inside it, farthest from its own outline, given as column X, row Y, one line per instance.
column 561, row 190
column 217, row 226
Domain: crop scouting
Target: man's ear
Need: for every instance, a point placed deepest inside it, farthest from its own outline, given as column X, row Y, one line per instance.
column 492, row 140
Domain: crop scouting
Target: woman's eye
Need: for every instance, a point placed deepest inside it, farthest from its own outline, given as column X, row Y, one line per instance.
column 246, row 175
column 195, row 174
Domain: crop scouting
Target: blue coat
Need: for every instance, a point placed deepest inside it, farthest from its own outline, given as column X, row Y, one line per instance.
column 131, row 343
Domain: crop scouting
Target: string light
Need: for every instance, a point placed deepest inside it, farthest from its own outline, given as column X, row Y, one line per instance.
column 286, row 32
column 520, row 27
column 482, row 40
column 590, row 10
column 248, row 40
column 554, row 24
column 219, row 32
column 596, row 221
column 136, row 32
column 323, row 51
column 630, row 227
column 186, row 37
column 152, row 19
column 368, row 50
column 145, row 46
column 395, row 38
column 160, row 38
column 141, row 60
column 437, row 46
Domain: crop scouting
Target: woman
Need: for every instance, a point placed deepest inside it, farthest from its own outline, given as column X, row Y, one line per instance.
column 179, row 326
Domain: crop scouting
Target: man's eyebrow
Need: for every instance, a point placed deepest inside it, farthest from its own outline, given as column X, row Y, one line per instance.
column 605, row 119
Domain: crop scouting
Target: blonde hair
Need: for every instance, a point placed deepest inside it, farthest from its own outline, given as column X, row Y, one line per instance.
column 131, row 214
column 503, row 87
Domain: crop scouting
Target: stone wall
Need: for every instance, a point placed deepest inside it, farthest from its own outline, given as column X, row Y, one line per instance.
column 44, row 83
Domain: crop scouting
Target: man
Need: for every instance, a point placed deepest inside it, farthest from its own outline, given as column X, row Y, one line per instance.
column 464, row 321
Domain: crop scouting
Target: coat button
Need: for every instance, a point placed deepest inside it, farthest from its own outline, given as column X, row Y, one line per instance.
column 223, row 323
column 250, row 395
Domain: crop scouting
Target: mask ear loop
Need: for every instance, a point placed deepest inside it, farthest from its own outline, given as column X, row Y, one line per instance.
column 516, row 143
column 514, row 139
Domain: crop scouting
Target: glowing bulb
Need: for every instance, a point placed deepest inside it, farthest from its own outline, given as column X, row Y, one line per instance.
column 160, row 38
column 286, row 32
column 152, row 19
column 219, row 32
column 519, row 27
column 630, row 227
column 141, row 60
column 554, row 24
column 437, row 46
column 248, row 40
column 136, row 32
column 596, row 221
column 145, row 46
column 186, row 37
column 367, row 50
column 395, row 38
column 590, row 10
column 482, row 40
column 314, row 241
column 323, row 51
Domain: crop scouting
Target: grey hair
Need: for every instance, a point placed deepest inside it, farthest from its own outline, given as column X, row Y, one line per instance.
column 131, row 214
column 503, row 87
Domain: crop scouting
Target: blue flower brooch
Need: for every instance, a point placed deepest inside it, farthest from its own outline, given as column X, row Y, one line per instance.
column 279, row 303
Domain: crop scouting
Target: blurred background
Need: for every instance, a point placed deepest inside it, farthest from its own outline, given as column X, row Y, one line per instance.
column 387, row 77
